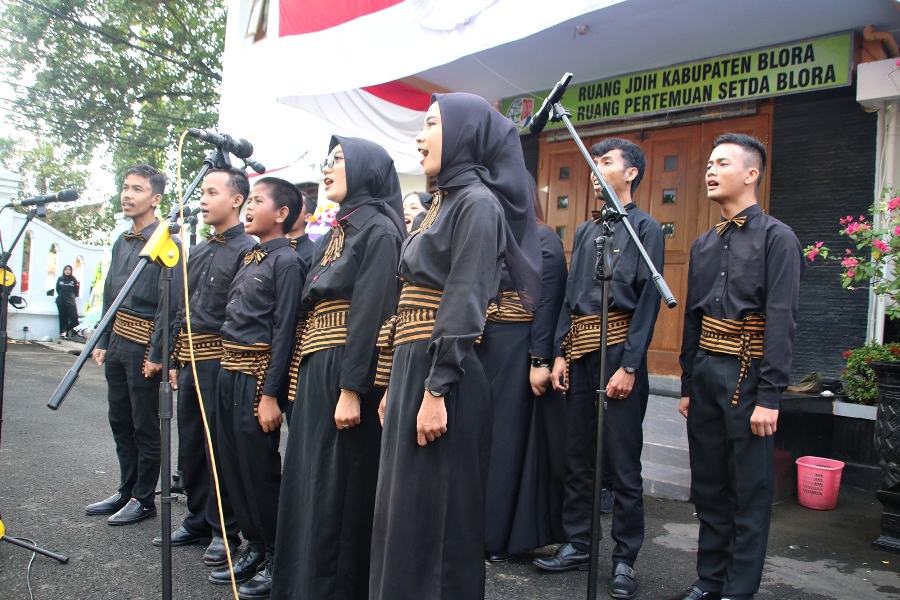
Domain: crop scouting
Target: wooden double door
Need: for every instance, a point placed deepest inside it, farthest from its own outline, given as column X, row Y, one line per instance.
column 673, row 191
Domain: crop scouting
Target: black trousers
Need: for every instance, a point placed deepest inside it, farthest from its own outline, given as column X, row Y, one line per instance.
column 623, row 442
column 250, row 460
column 193, row 453
column 732, row 476
column 68, row 316
column 133, row 418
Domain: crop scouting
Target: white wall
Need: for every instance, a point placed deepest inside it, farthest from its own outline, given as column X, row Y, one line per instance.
column 41, row 315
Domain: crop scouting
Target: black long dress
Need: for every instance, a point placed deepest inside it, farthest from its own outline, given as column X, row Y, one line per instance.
column 428, row 535
column 527, row 466
column 329, row 476
column 67, row 290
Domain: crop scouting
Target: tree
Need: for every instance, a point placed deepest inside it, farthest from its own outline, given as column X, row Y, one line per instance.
column 115, row 75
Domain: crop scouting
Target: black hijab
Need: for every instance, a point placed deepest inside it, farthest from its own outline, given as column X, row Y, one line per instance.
column 65, row 277
column 480, row 144
column 371, row 179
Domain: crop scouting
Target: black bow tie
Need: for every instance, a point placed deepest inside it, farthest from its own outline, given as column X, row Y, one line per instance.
column 130, row 236
column 216, row 238
column 737, row 221
column 257, row 254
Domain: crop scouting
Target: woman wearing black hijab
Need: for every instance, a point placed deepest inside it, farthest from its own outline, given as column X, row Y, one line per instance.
column 67, row 290
column 428, row 535
column 331, row 458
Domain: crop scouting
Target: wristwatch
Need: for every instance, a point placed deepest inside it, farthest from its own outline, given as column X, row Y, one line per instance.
column 629, row 370
column 540, row 362
column 433, row 393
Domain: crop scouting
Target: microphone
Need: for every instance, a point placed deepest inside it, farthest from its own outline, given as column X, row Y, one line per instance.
column 63, row 196
column 240, row 147
column 255, row 165
column 539, row 120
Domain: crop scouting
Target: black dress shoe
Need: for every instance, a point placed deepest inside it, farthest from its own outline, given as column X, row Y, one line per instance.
column 215, row 553
column 110, row 506
column 260, row 586
column 498, row 557
column 622, row 584
column 133, row 512
column 183, row 537
column 566, row 558
column 244, row 569
column 695, row 593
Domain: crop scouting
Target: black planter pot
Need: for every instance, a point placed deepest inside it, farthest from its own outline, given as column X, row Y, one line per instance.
column 887, row 444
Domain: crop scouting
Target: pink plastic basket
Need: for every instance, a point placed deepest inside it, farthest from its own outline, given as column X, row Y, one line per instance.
column 818, row 482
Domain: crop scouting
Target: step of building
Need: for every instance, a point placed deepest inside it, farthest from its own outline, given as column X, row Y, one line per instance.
column 665, row 459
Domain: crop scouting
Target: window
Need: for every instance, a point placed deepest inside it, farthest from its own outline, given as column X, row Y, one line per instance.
column 52, row 261
column 259, row 20
column 26, row 261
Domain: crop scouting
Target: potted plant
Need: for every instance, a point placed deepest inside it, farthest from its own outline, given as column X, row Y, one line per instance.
column 871, row 263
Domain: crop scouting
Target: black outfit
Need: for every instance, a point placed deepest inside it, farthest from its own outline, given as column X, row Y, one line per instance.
column 751, row 270
column 304, row 247
column 211, row 268
column 262, row 308
column 524, row 485
column 428, row 533
column 67, row 290
column 328, row 486
column 631, row 291
column 133, row 398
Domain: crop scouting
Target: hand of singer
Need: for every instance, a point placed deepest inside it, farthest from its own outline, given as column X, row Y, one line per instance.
column 431, row 422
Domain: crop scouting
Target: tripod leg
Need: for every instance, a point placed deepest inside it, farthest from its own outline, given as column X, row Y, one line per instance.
column 60, row 557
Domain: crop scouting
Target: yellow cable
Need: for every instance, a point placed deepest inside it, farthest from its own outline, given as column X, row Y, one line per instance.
column 187, row 320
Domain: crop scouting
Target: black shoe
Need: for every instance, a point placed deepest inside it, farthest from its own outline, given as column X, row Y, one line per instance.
column 498, row 557
column 183, row 537
column 244, row 569
column 695, row 593
column 607, row 498
column 110, row 506
column 566, row 558
column 622, row 584
column 132, row 512
column 215, row 552
column 260, row 586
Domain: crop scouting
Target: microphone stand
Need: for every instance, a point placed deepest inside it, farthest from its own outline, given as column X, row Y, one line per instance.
column 162, row 250
column 612, row 211
column 4, row 315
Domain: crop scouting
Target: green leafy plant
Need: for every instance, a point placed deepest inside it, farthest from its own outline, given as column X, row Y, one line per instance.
column 859, row 379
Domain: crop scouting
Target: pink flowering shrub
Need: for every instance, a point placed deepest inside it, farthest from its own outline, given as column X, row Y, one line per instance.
column 871, row 261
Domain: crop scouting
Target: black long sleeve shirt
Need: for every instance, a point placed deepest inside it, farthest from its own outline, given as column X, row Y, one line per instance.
column 631, row 289
column 460, row 254
column 304, row 248
column 752, row 270
column 553, row 291
column 145, row 298
column 211, row 269
column 366, row 275
column 262, row 308
column 67, row 290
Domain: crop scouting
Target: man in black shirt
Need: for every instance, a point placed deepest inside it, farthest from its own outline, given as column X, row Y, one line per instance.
column 739, row 323
column 211, row 268
column 633, row 305
column 132, row 352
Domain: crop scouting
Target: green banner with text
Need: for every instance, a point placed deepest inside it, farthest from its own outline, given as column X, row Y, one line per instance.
column 787, row 69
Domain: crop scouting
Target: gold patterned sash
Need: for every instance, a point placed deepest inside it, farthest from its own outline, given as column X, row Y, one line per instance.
column 326, row 326
column 207, row 346
column 294, row 369
column 509, row 310
column 250, row 360
column 136, row 329
column 414, row 321
column 741, row 338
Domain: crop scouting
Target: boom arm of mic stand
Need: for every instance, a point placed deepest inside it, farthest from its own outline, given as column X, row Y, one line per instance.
column 560, row 113
column 160, row 247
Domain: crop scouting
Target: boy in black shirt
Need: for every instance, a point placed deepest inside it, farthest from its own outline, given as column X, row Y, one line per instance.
column 298, row 236
column 211, row 269
column 259, row 335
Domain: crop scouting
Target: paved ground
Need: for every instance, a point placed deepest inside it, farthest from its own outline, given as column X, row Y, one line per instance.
column 52, row 464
